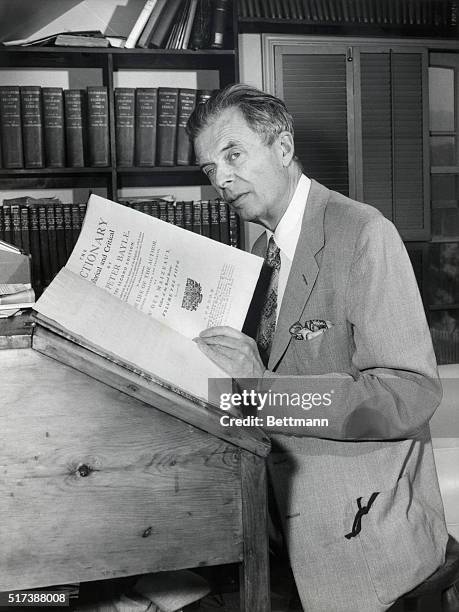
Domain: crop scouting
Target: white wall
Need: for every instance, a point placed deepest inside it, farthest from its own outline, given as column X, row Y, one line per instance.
column 251, row 73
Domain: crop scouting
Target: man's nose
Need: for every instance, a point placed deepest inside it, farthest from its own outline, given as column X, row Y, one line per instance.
column 223, row 176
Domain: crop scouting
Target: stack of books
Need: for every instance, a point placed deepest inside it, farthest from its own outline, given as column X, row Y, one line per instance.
column 48, row 127
column 15, row 283
column 48, row 229
column 151, row 125
column 181, row 24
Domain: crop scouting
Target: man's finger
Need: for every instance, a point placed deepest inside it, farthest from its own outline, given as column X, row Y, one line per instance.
column 229, row 342
column 222, row 330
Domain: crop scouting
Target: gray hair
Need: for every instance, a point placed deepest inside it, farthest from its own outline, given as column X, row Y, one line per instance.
column 265, row 114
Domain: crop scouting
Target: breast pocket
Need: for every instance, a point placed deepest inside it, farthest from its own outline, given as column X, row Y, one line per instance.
column 324, row 352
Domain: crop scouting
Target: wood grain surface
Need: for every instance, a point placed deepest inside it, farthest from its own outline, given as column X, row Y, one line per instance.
column 96, row 484
column 134, row 384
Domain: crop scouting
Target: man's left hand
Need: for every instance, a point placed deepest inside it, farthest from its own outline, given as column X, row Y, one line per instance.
column 233, row 351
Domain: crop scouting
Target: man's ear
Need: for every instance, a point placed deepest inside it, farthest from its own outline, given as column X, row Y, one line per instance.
column 287, row 147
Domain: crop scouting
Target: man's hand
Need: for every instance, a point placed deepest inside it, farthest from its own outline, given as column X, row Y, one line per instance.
column 233, row 351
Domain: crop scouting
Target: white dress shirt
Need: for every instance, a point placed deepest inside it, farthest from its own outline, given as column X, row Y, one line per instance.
column 287, row 233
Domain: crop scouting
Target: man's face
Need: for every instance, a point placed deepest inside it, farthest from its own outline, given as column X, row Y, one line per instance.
column 250, row 175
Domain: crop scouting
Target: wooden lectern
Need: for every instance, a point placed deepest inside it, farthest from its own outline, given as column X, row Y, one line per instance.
column 104, row 474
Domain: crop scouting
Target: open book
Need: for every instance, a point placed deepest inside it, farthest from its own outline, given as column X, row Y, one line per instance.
column 137, row 290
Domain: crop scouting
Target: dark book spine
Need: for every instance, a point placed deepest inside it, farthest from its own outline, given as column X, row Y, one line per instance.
column 205, row 218
column 45, row 262
column 53, row 122
column 7, row 224
column 32, row 127
column 25, row 229
column 146, row 208
column 82, row 212
column 171, row 213
column 186, row 104
column 155, row 209
column 224, row 225
column 233, row 228
column 74, row 105
column 167, row 125
column 11, row 127
column 202, row 95
column 202, row 26
column 145, row 128
column 219, row 19
column 163, row 211
column 197, row 221
column 188, row 215
column 98, row 136
column 124, row 125
column 214, row 220
column 2, row 225
column 76, row 224
column 179, row 215
column 35, row 249
column 60, row 235
column 164, row 24
column 16, row 233
column 52, row 241
column 67, row 230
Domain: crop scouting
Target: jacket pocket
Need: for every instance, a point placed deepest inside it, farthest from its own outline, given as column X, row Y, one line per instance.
column 398, row 541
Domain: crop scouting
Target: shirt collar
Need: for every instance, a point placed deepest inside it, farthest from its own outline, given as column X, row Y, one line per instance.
column 288, row 229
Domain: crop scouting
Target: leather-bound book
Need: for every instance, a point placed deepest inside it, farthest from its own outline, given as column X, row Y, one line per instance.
column 98, row 133
column 167, row 125
column 145, row 126
column 53, row 123
column 124, row 125
column 32, row 127
column 186, row 105
column 11, row 127
column 224, row 222
column 75, row 112
column 214, row 220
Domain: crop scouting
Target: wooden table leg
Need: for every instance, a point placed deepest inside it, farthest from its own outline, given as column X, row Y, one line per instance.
column 254, row 570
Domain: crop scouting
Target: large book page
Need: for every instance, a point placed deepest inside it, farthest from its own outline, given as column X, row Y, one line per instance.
column 120, row 331
column 186, row 281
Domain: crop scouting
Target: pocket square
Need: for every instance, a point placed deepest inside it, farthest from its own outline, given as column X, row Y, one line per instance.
column 310, row 329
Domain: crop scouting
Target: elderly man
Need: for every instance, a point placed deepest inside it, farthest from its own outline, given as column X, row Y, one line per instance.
column 342, row 319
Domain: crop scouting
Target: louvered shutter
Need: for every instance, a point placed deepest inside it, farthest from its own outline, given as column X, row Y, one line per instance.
column 314, row 88
column 393, row 133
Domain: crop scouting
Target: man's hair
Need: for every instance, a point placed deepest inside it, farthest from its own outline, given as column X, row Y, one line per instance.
column 265, row 114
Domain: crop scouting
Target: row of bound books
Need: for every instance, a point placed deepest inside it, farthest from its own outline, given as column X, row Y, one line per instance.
column 151, row 125
column 48, row 229
column 396, row 12
column 181, row 24
column 49, row 127
column 55, row 128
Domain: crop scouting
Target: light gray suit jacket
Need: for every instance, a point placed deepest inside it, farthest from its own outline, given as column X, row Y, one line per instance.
column 351, row 268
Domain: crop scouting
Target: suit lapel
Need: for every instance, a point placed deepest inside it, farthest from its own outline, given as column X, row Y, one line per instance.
column 303, row 272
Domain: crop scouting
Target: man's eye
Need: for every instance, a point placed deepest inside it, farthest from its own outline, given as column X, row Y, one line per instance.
column 210, row 172
column 234, row 155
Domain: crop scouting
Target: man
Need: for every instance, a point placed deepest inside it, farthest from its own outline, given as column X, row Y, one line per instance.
column 359, row 500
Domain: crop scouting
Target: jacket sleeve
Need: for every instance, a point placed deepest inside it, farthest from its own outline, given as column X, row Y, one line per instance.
column 396, row 390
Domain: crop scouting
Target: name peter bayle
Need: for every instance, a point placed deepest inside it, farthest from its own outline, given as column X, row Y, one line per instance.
column 270, row 400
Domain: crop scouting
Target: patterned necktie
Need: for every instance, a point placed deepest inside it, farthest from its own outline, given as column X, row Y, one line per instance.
column 267, row 325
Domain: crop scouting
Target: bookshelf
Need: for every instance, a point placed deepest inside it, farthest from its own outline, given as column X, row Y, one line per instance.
column 223, row 61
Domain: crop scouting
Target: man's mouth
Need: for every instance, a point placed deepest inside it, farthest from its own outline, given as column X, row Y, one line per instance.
column 234, row 201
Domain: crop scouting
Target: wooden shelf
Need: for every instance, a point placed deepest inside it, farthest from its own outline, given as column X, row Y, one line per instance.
column 109, row 61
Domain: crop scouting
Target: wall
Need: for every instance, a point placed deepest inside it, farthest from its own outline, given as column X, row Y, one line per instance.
column 251, row 72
